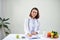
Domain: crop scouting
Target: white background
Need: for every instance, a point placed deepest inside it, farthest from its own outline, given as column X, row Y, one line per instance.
column 18, row 10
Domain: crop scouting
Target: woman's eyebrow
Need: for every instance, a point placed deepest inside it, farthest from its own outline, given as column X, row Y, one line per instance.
column 34, row 11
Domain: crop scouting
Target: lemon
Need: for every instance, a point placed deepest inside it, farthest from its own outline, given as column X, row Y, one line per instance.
column 52, row 34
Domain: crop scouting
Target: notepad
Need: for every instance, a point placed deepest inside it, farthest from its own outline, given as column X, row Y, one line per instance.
column 35, row 37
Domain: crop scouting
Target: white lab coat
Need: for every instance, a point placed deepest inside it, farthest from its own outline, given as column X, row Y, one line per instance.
column 28, row 25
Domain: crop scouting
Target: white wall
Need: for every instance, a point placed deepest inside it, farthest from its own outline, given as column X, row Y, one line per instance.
column 17, row 10
column 2, row 5
column 0, row 8
column 0, row 16
column 1, row 35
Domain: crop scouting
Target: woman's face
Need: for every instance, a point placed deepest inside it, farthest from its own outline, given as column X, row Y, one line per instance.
column 34, row 13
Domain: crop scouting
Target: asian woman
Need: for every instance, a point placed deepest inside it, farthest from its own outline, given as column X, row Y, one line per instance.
column 32, row 24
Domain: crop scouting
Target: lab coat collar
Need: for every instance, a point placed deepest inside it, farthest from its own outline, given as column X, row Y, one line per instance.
column 31, row 18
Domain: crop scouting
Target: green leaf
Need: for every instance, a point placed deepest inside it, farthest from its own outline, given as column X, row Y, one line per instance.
column 7, row 23
column 0, row 18
column 0, row 26
column 7, row 32
column 56, row 33
column 6, row 26
column 5, row 19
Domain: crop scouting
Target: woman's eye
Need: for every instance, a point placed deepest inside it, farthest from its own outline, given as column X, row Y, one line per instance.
column 34, row 12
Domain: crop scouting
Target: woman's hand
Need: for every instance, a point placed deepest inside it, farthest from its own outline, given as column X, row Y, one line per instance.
column 29, row 35
column 34, row 33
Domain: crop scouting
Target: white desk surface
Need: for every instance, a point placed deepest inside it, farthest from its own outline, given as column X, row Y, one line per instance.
column 13, row 37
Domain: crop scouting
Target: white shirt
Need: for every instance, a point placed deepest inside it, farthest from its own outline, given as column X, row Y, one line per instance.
column 31, row 25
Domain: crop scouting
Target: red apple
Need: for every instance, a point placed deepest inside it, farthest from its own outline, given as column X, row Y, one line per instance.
column 49, row 34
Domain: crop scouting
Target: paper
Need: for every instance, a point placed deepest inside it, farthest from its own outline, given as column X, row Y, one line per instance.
column 34, row 37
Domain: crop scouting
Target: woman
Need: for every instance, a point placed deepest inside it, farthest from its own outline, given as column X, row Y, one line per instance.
column 31, row 25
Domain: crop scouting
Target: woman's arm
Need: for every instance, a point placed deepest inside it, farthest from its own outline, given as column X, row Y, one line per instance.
column 26, row 30
column 38, row 28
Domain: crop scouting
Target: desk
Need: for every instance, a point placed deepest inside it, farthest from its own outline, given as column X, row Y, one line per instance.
column 13, row 37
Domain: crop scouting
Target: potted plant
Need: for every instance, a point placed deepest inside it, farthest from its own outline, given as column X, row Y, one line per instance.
column 4, row 26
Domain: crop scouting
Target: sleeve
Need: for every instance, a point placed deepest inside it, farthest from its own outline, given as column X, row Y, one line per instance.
column 26, row 30
column 38, row 27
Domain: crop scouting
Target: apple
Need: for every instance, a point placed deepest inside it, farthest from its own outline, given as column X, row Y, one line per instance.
column 17, row 36
column 56, row 36
column 49, row 34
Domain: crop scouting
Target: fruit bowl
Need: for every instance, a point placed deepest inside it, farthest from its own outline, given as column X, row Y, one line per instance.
column 52, row 34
